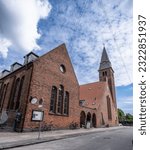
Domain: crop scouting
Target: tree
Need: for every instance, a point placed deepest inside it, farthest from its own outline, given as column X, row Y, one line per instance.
column 125, row 119
column 129, row 118
column 121, row 115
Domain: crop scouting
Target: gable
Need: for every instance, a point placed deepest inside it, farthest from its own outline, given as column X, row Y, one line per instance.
column 94, row 94
column 54, row 61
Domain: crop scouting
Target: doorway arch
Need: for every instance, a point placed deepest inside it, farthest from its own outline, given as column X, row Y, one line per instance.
column 88, row 120
column 88, row 117
column 82, row 119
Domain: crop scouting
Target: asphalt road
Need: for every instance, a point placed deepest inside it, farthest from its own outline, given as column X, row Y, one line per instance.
column 120, row 139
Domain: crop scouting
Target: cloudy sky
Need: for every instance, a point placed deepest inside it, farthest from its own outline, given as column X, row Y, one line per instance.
column 83, row 25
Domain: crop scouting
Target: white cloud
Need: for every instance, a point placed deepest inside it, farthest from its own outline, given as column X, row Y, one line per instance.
column 19, row 23
column 4, row 44
column 84, row 27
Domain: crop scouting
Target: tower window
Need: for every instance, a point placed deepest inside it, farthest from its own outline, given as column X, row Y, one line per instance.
column 104, row 73
column 109, row 108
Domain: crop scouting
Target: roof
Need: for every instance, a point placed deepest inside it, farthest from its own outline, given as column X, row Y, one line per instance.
column 105, row 62
column 92, row 93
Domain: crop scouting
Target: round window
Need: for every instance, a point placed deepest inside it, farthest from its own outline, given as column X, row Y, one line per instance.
column 62, row 68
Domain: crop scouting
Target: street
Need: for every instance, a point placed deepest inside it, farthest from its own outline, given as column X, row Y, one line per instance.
column 119, row 139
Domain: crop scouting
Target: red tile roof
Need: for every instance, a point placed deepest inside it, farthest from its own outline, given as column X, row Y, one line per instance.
column 92, row 93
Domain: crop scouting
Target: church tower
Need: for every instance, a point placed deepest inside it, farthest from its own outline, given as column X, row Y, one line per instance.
column 106, row 73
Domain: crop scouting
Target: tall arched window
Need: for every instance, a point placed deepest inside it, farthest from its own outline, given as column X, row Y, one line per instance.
column 19, row 93
column 109, row 108
column 60, row 99
column 1, row 84
column 66, row 103
column 3, row 94
column 53, row 99
column 15, row 93
column 11, row 94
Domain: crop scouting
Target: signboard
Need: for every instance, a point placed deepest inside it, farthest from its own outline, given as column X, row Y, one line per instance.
column 37, row 115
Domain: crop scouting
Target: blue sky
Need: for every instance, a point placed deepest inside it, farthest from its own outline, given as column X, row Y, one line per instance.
column 83, row 25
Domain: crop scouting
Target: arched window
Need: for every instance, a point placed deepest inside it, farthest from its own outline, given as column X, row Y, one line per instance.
column 60, row 99
column 109, row 108
column 62, row 68
column 66, row 103
column 3, row 94
column 1, row 84
column 11, row 94
column 19, row 93
column 53, row 99
column 15, row 93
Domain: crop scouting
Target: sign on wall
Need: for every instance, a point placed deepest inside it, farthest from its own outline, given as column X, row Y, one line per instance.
column 37, row 115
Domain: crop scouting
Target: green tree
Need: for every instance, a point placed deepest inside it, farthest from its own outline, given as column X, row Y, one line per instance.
column 121, row 115
column 129, row 117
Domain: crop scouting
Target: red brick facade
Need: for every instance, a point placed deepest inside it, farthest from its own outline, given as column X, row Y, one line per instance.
column 95, row 97
column 51, row 78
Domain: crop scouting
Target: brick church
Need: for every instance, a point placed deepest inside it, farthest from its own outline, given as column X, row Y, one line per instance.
column 46, row 89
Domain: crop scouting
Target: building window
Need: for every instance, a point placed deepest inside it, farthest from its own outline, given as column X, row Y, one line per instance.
column 15, row 93
column 105, row 73
column 62, row 68
column 11, row 94
column 3, row 94
column 1, row 84
column 81, row 102
column 109, row 108
column 53, row 99
column 19, row 94
column 66, row 103
column 60, row 99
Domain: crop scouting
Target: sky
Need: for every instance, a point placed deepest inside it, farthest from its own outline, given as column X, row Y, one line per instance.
column 85, row 26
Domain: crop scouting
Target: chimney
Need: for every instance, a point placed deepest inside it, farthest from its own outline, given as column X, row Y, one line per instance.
column 30, row 57
column 5, row 72
column 15, row 66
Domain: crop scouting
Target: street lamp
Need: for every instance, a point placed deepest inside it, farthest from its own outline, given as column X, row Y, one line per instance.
column 40, row 106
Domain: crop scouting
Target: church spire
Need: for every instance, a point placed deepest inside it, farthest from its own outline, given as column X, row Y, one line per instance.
column 105, row 62
column 106, row 73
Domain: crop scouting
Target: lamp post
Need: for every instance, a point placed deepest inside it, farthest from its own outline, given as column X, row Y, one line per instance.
column 39, row 133
column 38, row 115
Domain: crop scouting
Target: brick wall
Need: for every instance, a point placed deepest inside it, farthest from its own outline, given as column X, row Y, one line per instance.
column 46, row 73
column 10, row 79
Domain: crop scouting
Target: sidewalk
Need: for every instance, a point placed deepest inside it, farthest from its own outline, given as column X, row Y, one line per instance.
column 13, row 139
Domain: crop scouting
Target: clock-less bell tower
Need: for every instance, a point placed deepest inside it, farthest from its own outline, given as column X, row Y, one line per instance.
column 106, row 73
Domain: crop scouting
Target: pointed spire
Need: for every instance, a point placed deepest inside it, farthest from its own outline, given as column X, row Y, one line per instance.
column 105, row 62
